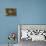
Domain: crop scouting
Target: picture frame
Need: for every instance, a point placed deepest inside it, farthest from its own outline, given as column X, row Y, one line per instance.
column 10, row 11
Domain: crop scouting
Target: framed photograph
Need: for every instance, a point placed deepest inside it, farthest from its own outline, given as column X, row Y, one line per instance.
column 10, row 11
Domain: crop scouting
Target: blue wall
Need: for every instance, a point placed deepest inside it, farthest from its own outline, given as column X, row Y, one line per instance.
column 28, row 12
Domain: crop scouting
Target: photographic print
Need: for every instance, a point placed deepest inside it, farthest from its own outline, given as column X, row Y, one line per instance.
column 10, row 11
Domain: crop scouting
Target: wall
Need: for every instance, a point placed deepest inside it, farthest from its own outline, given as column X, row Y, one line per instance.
column 28, row 12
